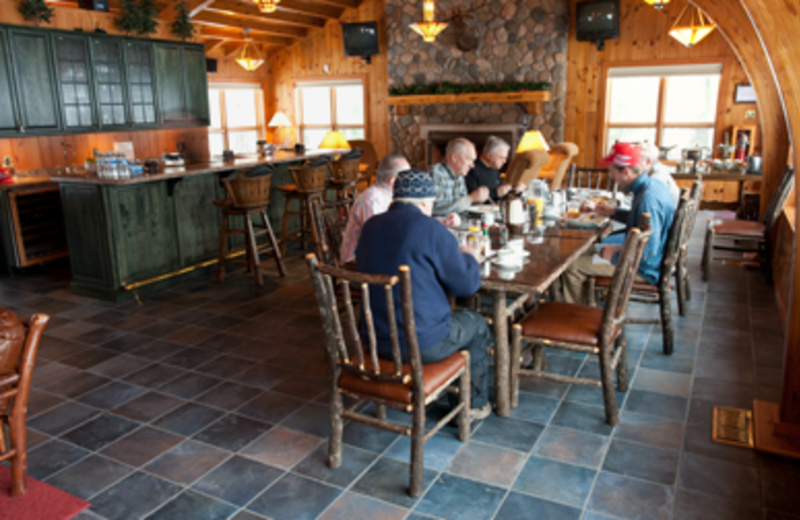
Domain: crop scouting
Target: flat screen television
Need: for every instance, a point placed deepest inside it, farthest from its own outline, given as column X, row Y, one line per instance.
column 360, row 39
column 597, row 21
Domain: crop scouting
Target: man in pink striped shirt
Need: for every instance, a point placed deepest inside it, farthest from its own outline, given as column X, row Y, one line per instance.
column 372, row 201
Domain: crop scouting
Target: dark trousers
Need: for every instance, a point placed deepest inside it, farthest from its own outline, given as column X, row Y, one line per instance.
column 468, row 331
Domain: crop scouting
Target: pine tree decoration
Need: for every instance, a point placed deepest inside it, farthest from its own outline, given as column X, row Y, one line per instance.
column 35, row 10
column 147, row 17
column 182, row 26
column 129, row 21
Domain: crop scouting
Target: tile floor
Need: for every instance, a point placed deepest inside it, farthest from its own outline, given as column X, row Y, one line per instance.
column 209, row 401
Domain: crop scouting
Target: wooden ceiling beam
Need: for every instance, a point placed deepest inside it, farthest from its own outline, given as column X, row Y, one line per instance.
column 198, row 6
column 344, row 4
column 233, row 8
column 222, row 20
column 237, row 36
column 210, row 45
column 324, row 11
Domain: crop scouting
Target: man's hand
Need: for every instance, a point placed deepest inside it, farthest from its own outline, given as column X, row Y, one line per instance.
column 470, row 250
column 503, row 190
column 452, row 220
column 607, row 253
column 479, row 195
column 605, row 209
column 520, row 186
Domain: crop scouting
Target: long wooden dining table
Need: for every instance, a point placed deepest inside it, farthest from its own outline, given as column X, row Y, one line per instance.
column 551, row 253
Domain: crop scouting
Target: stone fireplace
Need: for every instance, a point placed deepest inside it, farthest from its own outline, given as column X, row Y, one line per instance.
column 436, row 138
column 515, row 41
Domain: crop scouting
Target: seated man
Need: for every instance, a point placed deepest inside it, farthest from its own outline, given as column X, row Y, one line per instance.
column 658, row 171
column 649, row 196
column 448, row 176
column 486, row 171
column 372, row 201
column 407, row 235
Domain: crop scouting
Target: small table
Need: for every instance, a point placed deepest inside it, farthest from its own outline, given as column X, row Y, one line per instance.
column 550, row 255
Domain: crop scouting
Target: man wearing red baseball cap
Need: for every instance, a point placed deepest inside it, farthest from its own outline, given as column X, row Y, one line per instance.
column 649, row 196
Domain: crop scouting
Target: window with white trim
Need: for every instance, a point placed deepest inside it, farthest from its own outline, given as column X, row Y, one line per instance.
column 329, row 105
column 672, row 105
column 237, row 117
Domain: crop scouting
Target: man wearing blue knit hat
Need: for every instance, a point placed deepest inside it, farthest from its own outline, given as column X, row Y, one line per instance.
column 408, row 235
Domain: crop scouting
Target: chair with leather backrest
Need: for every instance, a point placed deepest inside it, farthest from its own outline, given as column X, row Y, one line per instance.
column 358, row 372
column 557, row 167
column 18, row 347
column 742, row 239
column 369, row 160
column 583, row 328
column 525, row 166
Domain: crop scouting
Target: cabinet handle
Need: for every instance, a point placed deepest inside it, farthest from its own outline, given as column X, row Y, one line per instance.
column 21, row 126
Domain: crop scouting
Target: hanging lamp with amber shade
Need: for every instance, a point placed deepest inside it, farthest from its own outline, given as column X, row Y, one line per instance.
column 249, row 57
column 658, row 4
column 428, row 28
column 267, row 6
column 693, row 32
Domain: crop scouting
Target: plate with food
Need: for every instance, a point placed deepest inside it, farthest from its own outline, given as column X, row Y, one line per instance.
column 483, row 208
column 585, row 221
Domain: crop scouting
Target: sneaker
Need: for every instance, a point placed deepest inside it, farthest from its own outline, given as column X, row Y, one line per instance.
column 476, row 414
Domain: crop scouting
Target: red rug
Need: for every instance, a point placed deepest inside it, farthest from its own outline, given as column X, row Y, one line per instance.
column 42, row 501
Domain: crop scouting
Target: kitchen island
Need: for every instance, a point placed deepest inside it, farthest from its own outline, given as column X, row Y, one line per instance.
column 146, row 232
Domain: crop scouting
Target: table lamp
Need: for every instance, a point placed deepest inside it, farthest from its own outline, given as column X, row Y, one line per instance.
column 334, row 140
column 279, row 120
column 532, row 140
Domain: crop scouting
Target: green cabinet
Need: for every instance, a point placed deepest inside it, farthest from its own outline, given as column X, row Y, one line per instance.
column 109, row 83
column 182, row 85
column 36, row 87
column 74, row 82
column 141, row 87
column 8, row 109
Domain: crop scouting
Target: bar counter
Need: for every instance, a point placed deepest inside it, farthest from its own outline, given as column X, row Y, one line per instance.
column 162, row 227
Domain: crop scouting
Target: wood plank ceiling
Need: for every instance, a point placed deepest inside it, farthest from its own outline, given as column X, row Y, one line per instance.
column 225, row 25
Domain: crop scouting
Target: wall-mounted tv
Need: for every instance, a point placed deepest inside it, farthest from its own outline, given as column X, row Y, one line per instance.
column 360, row 39
column 597, row 21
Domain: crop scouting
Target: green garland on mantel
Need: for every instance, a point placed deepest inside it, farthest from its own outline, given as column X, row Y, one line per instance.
column 452, row 88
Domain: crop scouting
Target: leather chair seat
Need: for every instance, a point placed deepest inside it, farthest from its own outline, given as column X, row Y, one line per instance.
column 434, row 375
column 742, row 228
column 565, row 322
column 638, row 287
column 288, row 187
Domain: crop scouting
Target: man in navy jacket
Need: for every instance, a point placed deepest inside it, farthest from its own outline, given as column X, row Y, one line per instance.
column 408, row 235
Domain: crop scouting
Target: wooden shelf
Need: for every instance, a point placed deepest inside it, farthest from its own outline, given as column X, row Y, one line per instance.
column 532, row 100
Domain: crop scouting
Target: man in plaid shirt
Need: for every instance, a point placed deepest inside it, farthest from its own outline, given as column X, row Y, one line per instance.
column 448, row 176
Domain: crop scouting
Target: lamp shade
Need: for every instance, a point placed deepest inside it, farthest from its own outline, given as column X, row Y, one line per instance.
column 428, row 28
column 249, row 58
column 279, row 120
column 334, row 140
column 658, row 4
column 697, row 28
column 532, row 140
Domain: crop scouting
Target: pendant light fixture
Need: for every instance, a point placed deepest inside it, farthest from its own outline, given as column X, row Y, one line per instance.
column 692, row 33
column 658, row 4
column 428, row 28
column 267, row 6
column 249, row 57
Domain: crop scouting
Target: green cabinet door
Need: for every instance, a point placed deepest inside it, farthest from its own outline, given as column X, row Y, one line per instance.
column 36, row 83
column 197, row 218
column 9, row 119
column 141, row 86
column 194, row 59
column 109, row 82
column 74, row 81
column 169, row 76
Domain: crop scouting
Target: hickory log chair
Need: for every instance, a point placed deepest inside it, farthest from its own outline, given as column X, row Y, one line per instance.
column 556, row 169
column 309, row 183
column 329, row 220
column 248, row 196
column 744, row 240
column 682, row 283
column 344, row 175
column 591, row 178
column 368, row 164
column 18, row 347
column 358, row 372
column 583, row 328
column 659, row 293
column 525, row 166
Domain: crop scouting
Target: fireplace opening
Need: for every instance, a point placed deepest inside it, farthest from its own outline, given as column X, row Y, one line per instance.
column 436, row 138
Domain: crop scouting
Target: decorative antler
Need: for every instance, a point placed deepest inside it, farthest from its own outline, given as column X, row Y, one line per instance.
column 466, row 37
column 463, row 13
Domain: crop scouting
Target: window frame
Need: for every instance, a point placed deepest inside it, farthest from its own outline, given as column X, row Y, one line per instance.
column 330, row 82
column 224, row 129
column 660, row 124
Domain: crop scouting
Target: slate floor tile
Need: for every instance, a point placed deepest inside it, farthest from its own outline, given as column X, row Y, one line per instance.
column 489, row 464
column 88, row 358
column 188, row 419
column 238, row 480
column 439, row 450
column 154, row 375
column 352, row 506
column 518, row 506
column 623, row 497
column 52, row 456
column 662, row 382
column 90, row 476
column 227, row 396
column 367, row 437
column 388, row 480
column 281, row 447
column 118, row 366
column 156, row 350
column 187, row 462
column 312, row 418
column 100, row 432
column 77, row 384
column 354, row 462
column 652, row 403
column 111, row 395
column 133, row 497
column 649, row 429
column 225, row 366
column 280, row 500
column 189, row 385
column 640, row 461
column 778, row 484
column 572, row 446
column 591, row 419
column 62, row 418
column 535, row 408
column 556, row 481
column 148, row 406
column 190, row 358
column 127, row 342
column 195, row 506
column 142, row 446
column 232, row 432
column 270, row 407
column 718, row 478
column 455, row 497
column 507, row 432
column 697, row 506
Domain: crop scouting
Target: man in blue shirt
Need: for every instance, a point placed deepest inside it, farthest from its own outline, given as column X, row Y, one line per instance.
column 407, row 235
column 649, row 196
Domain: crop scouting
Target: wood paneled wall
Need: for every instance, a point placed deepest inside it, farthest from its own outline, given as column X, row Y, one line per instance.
column 320, row 56
column 29, row 153
column 643, row 41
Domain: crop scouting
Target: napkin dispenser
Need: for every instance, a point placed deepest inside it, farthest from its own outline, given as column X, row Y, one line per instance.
column 514, row 213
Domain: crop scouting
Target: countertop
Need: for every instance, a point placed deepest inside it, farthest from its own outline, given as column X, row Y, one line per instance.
column 195, row 169
column 26, row 182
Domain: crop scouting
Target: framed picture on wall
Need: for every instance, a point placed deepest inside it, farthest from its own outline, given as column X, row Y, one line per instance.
column 745, row 93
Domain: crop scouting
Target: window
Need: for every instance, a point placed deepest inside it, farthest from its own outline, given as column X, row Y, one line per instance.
column 669, row 106
column 333, row 105
column 237, row 118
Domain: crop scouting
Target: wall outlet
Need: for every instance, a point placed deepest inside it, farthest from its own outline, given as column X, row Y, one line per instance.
column 749, row 114
column 7, row 162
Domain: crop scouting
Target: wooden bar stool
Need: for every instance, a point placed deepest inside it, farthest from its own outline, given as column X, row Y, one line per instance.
column 309, row 183
column 248, row 196
column 344, row 178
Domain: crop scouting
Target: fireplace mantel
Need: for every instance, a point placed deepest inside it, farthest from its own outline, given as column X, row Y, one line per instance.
column 532, row 100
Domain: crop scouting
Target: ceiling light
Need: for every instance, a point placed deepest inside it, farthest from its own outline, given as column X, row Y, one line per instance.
column 249, row 58
column 428, row 28
column 267, row 6
column 698, row 27
column 658, row 4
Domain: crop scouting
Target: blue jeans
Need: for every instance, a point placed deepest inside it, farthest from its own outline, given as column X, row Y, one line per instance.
column 468, row 331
